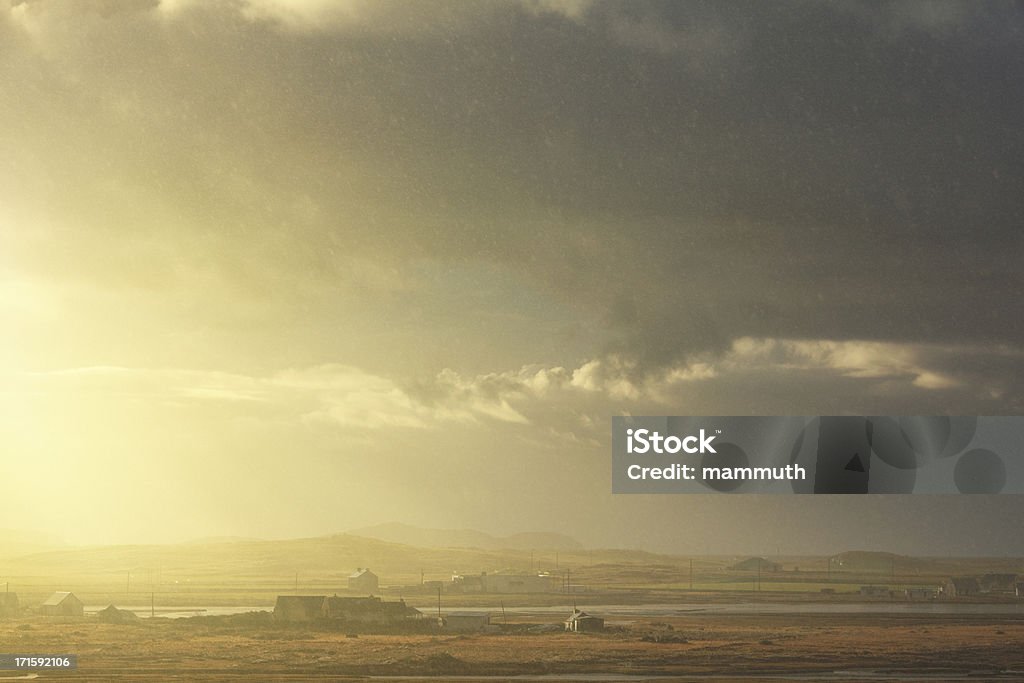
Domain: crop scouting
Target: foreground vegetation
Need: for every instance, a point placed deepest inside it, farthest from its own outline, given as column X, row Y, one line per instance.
column 221, row 649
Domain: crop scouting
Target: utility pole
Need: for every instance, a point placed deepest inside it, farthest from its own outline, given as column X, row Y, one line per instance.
column 128, row 584
column 152, row 605
column 691, row 573
column 296, row 583
column 439, row 603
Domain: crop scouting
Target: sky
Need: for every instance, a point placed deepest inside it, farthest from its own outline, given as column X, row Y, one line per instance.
column 281, row 269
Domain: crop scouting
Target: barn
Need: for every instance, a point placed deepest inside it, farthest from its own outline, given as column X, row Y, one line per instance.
column 363, row 581
column 63, row 604
column 298, row 607
column 466, row 621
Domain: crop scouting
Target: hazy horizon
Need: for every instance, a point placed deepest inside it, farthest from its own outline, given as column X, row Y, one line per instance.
column 60, row 544
column 277, row 269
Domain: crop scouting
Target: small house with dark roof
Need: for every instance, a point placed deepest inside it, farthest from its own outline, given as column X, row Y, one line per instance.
column 63, row 604
column 581, row 622
column 363, row 581
column 299, row 607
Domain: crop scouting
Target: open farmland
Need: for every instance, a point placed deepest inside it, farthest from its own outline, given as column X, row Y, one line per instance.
column 801, row 616
column 213, row 649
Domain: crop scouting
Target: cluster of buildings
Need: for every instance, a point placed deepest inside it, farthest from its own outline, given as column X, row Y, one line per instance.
column 366, row 609
column 985, row 584
column 60, row 604
column 363, row 610
column 990, row 585
column 369, row 610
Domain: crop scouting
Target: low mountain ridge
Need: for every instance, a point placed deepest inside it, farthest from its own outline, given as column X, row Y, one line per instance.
column 407, row 534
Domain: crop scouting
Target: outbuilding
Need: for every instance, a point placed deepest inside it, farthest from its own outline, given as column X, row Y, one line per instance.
column 466, row 622
column 363, row 581
column 299, row 607
column 63, row 604
column 581, row 622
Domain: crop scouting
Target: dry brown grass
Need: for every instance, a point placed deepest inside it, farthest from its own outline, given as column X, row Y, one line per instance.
column 208, row 649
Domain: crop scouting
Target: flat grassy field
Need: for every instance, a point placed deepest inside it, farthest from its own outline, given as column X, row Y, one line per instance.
column 223, row 649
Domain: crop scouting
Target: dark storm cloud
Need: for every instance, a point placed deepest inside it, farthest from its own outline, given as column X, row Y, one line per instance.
column 790, row 170
column 706, row 161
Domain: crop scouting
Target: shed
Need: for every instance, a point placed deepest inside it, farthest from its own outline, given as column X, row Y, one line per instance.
column 466, row 621
column 581, row 622
column 63, row 604
column 363, row 581
column 298, row 607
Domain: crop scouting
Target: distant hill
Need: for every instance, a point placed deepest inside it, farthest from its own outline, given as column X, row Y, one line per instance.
column 207, row 540
column 467, row 538
column 874, row 562
column 16, row 542
column 753, row 564
column 328, row 557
